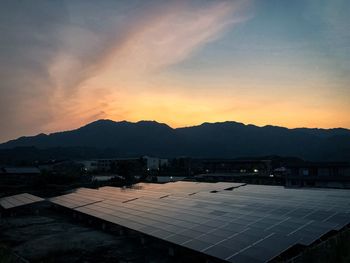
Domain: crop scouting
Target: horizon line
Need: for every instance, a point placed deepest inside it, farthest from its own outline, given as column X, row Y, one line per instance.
column 190, row 126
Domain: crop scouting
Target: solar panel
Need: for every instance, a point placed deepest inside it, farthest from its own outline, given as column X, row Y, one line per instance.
column 18, row 200
column 196, row 244
column 249, row 223
column 220, row 251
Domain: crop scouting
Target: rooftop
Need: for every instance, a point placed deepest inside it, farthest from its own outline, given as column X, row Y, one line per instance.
column 18, row 200
column 20, row 170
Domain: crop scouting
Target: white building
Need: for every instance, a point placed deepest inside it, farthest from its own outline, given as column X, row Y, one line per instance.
column 154, row 163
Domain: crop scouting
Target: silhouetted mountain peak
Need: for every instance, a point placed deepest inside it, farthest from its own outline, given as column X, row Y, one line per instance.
column 222, row 124
column 42, row 135
column 221, row 139
column 106, row 123
column 152, row 124
column 102, row 123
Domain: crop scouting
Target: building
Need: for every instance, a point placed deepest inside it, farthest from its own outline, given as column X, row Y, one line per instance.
column 236, row 170
column 61, row 167
column 155, row 163
column 235, row 166
column 18, row 175
column 19, row 171
column 318, row 174
column 279, row 171
column 140, row 164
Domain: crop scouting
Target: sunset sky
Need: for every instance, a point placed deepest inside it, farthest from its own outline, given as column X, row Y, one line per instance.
column 280, row 62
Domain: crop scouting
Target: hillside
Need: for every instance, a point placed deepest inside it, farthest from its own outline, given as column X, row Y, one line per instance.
column 224, row 139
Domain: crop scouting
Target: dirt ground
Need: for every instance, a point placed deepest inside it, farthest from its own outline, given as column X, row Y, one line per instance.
column 56, row 238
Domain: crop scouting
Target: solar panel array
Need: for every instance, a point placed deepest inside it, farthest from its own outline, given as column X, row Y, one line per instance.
column 18, row 200
column 247, row 223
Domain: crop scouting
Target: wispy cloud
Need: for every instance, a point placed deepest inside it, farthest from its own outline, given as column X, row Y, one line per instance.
column 56, row 56
column 174, row 36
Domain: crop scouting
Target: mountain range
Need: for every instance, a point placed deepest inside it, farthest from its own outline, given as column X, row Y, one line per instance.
column 208, row 140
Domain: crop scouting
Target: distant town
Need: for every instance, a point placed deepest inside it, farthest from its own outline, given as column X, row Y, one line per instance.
column 289, row 172
column 147, row 201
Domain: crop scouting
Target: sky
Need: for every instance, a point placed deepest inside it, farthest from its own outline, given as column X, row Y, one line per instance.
column 265, row 62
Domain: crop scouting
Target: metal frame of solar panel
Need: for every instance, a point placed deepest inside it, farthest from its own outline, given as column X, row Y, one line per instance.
column 249, row 223
column 18, row 200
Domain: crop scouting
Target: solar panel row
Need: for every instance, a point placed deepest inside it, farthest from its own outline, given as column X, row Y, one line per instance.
column 248, row 224
column 18, row 200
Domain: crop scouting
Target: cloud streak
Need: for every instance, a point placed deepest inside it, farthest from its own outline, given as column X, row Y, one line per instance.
column 65, row 63
column 174, row 36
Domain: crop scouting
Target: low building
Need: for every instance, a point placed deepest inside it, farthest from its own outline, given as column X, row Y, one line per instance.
column 318, row 174
column 89, row 165
column 145, row 163
column 101, row 165
column 155, row 163
column 20, row 171
column 236, row 170
column 61, row 167
column 18, row 175
column 232, row 166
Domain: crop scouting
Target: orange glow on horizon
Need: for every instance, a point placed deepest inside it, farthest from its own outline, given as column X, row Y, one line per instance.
column 177, row 62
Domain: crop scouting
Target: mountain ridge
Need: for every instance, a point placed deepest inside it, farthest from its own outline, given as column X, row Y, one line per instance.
column 219, row 139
